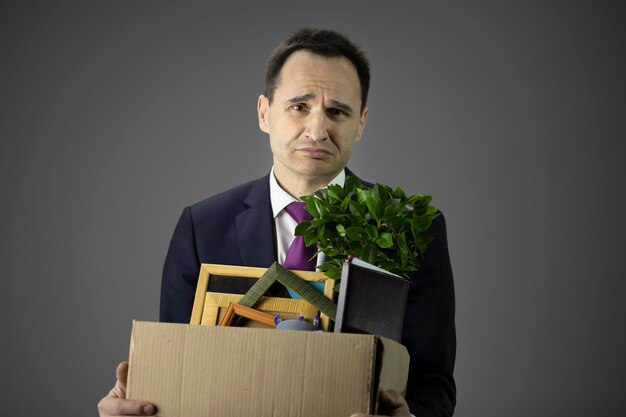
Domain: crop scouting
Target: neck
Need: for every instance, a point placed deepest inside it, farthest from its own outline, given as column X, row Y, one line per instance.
column 298, row 187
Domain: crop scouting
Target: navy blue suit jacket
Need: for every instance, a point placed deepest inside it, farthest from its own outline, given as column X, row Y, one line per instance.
column 237, row 228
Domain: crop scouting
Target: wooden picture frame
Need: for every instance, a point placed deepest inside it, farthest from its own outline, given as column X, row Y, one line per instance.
column 216, row 303
column 247, row 312
column 208, row 306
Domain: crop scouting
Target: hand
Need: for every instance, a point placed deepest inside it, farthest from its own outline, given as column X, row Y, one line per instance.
column 116, row 404
column 391, row 404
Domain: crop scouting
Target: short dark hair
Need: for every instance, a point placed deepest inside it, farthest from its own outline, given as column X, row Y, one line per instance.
column 326, row 43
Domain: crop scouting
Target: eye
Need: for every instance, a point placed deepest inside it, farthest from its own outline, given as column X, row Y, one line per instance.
column 298, row 107
column 335, row 112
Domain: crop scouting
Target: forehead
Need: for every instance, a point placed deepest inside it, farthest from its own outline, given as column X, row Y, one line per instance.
column 307, row 73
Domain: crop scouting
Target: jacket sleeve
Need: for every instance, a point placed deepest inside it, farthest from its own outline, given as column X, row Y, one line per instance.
column 180, row 273
column 429, row 330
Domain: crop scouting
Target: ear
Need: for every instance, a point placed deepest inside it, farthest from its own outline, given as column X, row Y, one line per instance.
column 263, row 107
column 362, row 122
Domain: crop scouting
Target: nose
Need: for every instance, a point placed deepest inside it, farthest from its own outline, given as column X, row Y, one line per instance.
column 316, row 127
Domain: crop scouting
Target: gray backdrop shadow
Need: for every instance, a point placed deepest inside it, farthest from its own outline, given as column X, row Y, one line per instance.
column 114, row 116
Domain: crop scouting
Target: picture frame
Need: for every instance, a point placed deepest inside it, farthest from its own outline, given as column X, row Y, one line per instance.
column 216, row 303
column 235, row 309
column 208, row 306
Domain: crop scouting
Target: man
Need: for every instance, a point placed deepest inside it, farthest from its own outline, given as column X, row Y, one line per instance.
column 314, row 111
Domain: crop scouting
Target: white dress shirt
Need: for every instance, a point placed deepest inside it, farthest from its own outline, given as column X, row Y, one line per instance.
column 283, row 222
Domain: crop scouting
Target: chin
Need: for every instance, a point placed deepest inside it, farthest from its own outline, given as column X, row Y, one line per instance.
column 314, row 168
column 317, row 171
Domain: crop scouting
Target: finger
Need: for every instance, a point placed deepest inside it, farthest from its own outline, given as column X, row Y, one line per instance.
column 392, row 403
column 121, row 373
column 391, row 398
column 389, row 401
column 120, row 407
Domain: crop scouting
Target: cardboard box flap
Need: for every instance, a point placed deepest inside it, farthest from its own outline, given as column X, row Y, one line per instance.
column 393, row 365
column 203, row 371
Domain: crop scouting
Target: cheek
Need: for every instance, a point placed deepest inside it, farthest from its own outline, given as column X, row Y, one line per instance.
column 280, row 140
column 286, row 132
column 346, row 151
column 347, row 141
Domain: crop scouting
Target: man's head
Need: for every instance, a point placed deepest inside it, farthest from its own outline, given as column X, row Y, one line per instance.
column 314, row 117
column 326, row 43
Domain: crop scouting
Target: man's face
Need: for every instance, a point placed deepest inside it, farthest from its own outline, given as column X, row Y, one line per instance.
column 315, row 118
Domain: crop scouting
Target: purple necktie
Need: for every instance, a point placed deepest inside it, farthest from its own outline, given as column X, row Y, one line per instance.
column 298, row 255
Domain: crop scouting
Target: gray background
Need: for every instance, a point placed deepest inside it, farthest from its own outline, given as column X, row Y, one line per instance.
column 116, row 115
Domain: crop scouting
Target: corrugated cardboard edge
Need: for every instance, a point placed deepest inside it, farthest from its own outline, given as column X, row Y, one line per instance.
column 165, row 377
column 162, row 361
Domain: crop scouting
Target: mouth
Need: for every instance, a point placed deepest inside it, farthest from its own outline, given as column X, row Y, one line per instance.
column 312, row 152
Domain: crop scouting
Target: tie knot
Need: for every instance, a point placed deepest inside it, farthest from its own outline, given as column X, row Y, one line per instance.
column 298, row 212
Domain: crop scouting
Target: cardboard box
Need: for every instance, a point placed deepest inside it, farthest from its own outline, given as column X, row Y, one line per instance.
column 189, row 371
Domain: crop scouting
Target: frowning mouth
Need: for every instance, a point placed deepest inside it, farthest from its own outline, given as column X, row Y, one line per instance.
column 313, row 152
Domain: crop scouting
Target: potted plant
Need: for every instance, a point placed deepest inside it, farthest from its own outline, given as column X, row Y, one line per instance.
column 378, row 224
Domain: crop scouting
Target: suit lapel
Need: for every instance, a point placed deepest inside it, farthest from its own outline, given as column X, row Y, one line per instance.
column 255, row 227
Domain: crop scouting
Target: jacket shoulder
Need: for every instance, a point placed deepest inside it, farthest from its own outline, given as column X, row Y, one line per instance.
column 233, row 200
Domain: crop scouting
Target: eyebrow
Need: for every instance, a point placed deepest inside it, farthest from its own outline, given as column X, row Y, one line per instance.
column 304, row 97
column 341, row 106
column 333, row 103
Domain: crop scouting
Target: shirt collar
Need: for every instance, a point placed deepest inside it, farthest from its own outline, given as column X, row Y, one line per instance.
column 281, row 198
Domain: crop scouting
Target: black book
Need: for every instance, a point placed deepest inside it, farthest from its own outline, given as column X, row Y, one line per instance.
column 371, row 300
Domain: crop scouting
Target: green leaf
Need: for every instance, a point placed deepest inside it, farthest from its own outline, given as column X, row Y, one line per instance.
column 356, row 209
column 346, row 201
column 312, row 208
column 394, row 223
column 321, row 233
column 380, row 209
column 302, row 228
column 423, row 242
column 385, row 240
column 331, row 253
column 310, row 237
column 403, row 248
column 325, row 267
column 317, row 222
column 322, row 208
column 357, row 221
column 388, row 265
column 402, row 245
column 372, row 232
column 432, row 211
column 333, row 273
column 330, row 234
column 399, row 193
column 361, row 195
column 352, row 183
column 321, row 194
column 371, row 253
column 376, row 192
column 307, row 198
column 341, row 230
column 356, row 233
column 335, row 193
column 339, row 218
column 372, row 206
column 392, row 210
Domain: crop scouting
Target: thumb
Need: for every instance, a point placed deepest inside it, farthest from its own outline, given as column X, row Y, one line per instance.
column 391, row 398
column 121, row 374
